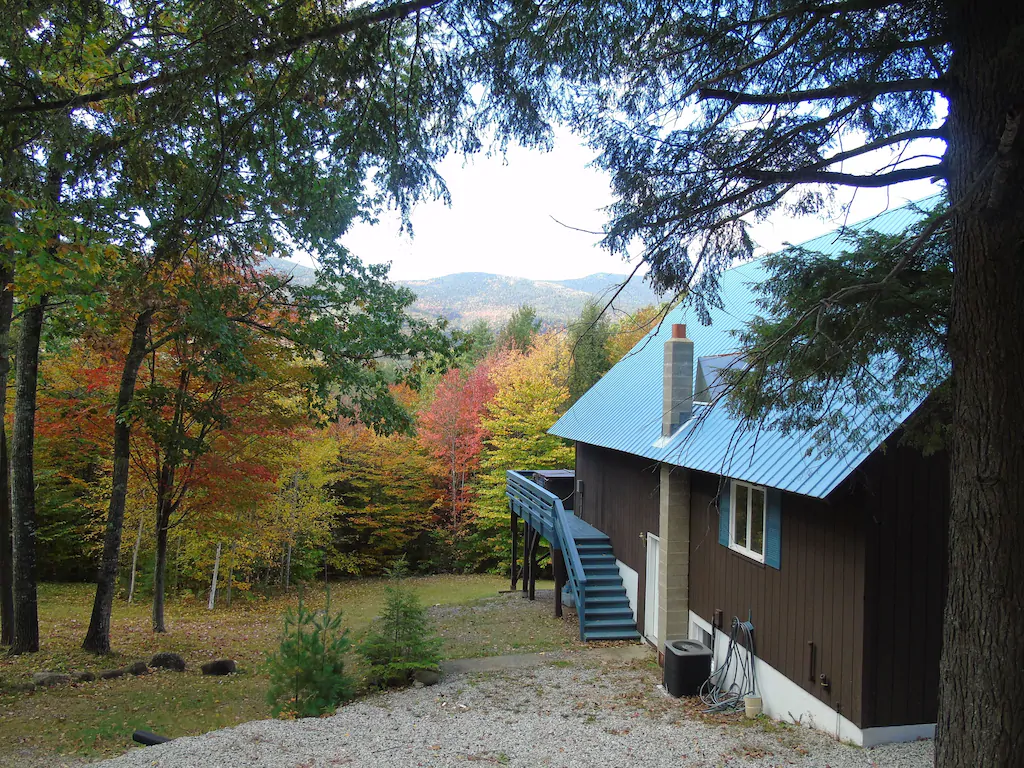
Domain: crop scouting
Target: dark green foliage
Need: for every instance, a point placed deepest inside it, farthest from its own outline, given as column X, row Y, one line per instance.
column 520, row 329
column 479, row 342
column 307, row 674
column 402, row 640
column 588, row 345
column 867, row 327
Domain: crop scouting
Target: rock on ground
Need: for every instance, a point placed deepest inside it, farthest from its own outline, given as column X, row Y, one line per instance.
column 49, row 679
column 220, row 667
column 168, row 660
column 569, row 714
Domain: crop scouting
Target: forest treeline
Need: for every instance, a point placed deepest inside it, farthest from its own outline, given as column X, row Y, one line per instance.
column 230, row 465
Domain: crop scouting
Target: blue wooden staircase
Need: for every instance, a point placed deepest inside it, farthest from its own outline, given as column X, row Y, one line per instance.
column 593, row 577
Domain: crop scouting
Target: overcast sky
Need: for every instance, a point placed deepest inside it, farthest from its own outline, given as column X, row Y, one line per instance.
column 504, row 210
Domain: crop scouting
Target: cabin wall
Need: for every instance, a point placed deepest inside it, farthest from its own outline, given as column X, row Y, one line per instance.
column 620, row 498
column 817, row 596
column 907, row 503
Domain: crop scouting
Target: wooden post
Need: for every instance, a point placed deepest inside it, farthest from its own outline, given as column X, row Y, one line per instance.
column 527, row 531
column 514, row 522
column 558, row 566
column 533, row 565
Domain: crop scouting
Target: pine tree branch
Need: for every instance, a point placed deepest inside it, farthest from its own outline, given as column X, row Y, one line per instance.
column 839, row 91
column 226, row 63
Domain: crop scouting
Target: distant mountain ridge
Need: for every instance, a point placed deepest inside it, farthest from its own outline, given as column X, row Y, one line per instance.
column 465, row 297
column 469, row 296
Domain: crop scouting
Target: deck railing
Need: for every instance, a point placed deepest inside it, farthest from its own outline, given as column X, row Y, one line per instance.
column 543, row 510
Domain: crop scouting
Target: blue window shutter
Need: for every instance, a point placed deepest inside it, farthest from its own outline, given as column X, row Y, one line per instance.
column 773, row 528
column 724, row 511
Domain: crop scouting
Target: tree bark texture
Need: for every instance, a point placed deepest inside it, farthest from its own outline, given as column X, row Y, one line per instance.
column 97, row 638
column 6, row 541
column 166, row 503
column 164, row 510
column 982, row 667
column 23, row 492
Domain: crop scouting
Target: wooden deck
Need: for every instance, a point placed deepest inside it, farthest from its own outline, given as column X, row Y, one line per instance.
column 581, row 557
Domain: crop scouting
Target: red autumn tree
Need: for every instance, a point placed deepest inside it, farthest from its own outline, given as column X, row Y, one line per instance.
column 451, row 431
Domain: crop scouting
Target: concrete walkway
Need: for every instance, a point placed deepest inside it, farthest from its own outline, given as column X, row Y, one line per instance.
column 620, row 653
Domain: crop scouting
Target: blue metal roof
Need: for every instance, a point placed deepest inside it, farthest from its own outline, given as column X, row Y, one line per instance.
column 623, row 410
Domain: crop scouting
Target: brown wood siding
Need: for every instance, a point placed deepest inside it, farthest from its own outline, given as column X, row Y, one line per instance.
column 817, row 595
column 907, row 503
column 620, row 498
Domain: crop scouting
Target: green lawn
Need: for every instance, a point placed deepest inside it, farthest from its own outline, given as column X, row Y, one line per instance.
column 96, row 719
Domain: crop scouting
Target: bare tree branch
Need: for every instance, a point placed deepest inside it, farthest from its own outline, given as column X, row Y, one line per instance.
column 838, row 91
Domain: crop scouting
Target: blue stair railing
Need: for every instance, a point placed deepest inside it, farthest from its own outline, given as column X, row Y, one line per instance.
column 544, row 512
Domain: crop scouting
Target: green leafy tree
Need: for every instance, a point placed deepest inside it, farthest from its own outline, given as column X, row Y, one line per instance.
column 589, row 335
column 480, row 341
column 307, row 673
column 520, row 330
column 402, row 640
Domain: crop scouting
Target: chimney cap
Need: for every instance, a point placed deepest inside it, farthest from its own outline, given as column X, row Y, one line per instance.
column 678, row 330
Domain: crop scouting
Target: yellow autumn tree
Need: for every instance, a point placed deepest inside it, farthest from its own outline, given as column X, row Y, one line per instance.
column 627, row 330
column 531, row 393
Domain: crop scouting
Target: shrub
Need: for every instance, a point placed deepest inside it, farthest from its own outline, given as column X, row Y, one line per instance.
column 307, row 674
column 402, row 640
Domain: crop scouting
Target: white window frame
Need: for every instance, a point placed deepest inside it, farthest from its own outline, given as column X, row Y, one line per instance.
column 732, row 520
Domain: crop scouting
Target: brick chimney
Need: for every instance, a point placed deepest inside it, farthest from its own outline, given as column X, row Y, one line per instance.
column 677, row 384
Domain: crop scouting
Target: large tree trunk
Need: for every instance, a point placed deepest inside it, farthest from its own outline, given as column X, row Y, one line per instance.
column 982, row 668
column 97, row 639
column 23, row 491
column 6, row 542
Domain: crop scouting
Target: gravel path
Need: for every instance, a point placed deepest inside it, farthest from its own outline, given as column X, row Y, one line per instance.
column 571, row 713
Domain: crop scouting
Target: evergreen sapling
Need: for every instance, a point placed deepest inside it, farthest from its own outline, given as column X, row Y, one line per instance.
column 402, row 639
column 307, row 674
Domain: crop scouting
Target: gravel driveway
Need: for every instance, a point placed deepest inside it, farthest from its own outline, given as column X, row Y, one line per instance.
column 572, row 712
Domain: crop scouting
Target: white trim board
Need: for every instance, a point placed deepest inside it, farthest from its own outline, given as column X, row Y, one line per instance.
column 784, row 700
column 631, row 581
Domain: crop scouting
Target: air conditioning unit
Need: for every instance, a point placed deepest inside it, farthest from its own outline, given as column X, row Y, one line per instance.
column 687, row 666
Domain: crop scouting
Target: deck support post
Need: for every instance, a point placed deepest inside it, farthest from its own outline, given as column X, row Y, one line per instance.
column 514, row 522
column 558, row 566
column 533, row 565
column 527, row 531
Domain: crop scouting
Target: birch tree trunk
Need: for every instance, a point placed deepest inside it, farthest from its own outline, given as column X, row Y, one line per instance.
column 213, row 583
column 231, row 572
column 288, row 566
column 135, row 562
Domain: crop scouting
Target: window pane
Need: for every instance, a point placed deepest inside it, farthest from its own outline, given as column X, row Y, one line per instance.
column 739, row 528
column 757, row 520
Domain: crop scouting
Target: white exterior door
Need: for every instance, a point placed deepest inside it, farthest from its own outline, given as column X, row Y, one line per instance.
column 651, row 591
